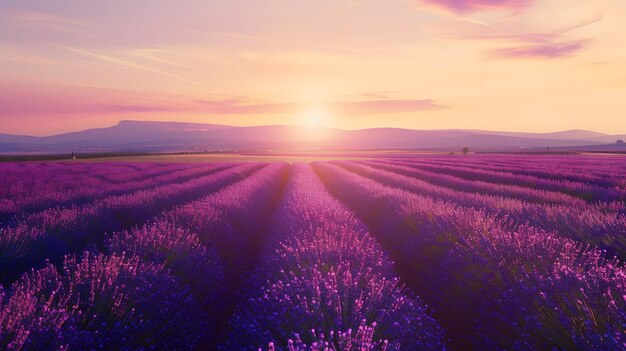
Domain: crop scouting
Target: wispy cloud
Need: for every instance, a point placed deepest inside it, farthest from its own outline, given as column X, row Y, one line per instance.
column 468, row 6
column 347, row 108
column 127, row 108
column 541, row 44
column 546, row 45
column 155, row 55
column 24, row 100
column 548, row 50
column 231, row 35
column 15, row 108
column 47, row 19
column 11, row 54
column 387, row 106
column 127, row 64
column 597, row 18
column 93, row 101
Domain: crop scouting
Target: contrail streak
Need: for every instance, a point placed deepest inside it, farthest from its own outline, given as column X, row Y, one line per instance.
column 471, row 20
column 123, row 63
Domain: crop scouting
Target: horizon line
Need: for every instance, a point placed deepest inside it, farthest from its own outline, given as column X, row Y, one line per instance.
column 311, row 127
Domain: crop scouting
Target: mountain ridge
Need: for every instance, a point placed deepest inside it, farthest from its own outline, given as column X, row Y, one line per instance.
column 161, row 135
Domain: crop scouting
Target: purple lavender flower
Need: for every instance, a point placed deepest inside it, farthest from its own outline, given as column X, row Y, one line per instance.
column 101, row 302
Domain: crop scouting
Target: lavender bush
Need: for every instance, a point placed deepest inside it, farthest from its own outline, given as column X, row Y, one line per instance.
column 100, row 302
column 317, row 284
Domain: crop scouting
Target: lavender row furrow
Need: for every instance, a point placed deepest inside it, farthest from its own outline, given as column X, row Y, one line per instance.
column 585, row 191
column 583, row 169
column 479, row 186
column 100, row 302
column 325, row 283
column 53, row 233
column 490, row 287
column 611, row 174
column 161, row 286
column 210, row 243
column 601, row 226
column 234, row 219
column 21, row 206
column 43, row 179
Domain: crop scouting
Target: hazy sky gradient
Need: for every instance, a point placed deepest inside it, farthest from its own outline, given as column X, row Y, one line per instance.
column 516, row 65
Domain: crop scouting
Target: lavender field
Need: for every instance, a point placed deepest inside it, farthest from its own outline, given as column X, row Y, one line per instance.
column 417, row 253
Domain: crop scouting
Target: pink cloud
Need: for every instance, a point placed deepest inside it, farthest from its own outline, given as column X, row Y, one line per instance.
column 466, row 6
column 546, row 45
column 47, row 100
column 541, row 50
column 18, row 107
column 366, row 107
column 244, row 107
column 387, row 106
column 536, row 45
column 18, row 100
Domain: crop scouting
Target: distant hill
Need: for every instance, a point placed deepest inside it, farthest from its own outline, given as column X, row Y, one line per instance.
column 164, row 136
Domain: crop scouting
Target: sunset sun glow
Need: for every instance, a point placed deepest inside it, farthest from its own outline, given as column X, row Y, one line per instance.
column 314, row 117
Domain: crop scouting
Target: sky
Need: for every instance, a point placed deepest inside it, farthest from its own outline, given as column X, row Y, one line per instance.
column 513, row 65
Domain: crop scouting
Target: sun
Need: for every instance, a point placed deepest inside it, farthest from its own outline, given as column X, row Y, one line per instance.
column 314, row 117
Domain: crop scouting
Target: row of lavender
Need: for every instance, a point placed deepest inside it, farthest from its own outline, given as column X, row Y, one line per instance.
column 35, row 187
column 55, row 232
column 210, row 244
column 595, row 179
column 494, row 283
column 600, row 224
column 156, row 286
column 582, row 168
column 324, row 283
column 604, row 171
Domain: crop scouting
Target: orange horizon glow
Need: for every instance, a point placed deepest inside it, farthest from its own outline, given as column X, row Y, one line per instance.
column 514, row 65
